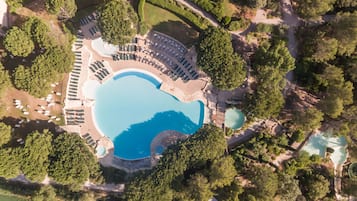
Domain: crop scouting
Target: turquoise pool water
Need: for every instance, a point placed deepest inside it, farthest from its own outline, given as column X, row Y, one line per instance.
column 101, row 151
column 234, row 118
column 317, row 145
column 131, row 110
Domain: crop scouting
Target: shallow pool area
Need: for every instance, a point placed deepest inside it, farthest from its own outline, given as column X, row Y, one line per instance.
column 318, row 143
column 234, row 118
column 101, row 151
column 131, row 110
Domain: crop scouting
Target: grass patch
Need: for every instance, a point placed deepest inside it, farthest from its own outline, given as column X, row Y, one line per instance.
column 229, row 8
column 11, row 198
column 165, row 22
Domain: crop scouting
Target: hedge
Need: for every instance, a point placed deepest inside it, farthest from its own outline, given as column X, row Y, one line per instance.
column 187, row 15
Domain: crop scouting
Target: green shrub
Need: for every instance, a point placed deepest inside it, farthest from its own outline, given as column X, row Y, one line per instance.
column 226, row 20
column 239, row 24
column 264, row 28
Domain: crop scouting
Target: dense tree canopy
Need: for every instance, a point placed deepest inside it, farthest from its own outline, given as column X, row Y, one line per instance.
column 288, row 188
column 18, row 42
column 117, row 21
column 339, row 92
column 316, row 186
column 35, row 154
column 265, row 182
column 39, row 32
column 310, row 9
column 309, row 119
column 63, row 8
column 72, row 163
column 180, row 170
column 9, row 163
column 217, row 58
column 4, row 79
column 5, row 133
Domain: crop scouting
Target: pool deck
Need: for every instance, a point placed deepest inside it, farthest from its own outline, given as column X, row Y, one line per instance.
column 186, row 92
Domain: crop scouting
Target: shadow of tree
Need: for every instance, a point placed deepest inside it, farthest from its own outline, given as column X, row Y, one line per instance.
column 178, row 30
column 135, row 142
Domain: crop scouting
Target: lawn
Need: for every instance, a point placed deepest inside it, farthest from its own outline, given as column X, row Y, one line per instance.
column 163, row 21
column 10, row 198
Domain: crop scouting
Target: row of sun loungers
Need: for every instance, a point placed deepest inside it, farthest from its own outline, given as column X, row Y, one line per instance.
column 123, row 56
column 94, row 30
column 72, row 91
column 89, row 140
column 85, row 20
column 166, row 40
column 128, row 48
column 74, row 117
column 79, row 41
column 99, row 70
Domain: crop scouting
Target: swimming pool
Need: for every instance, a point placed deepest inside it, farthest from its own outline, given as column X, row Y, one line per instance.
column 234, row 118
column 318, row 142
column 131, row 110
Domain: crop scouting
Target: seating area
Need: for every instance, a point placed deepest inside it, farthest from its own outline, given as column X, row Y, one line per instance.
column 127, row 48
column 123, row 56
column 99, row 70
column 94, row 31
column 78, row 43
column 85, row 20
column 72, row 91
column 74, row 117
column 89, row 140
column 166, row 44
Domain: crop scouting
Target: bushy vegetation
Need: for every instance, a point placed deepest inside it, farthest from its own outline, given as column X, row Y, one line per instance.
column 51, row 59
column 190, row 17
column 271, row 62
column 217, row 58
column 63, row 8
column 64, row 158
column 18, row 43
column 117, row 21
column 311, row 9
column 213, row 7
column 190, row 170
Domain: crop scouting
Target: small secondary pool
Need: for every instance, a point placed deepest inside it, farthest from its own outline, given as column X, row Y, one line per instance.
column 318, row 143
column 234, row 118
column 101, row 151
column 131, row 110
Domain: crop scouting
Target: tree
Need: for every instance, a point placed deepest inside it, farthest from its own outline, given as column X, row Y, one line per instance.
column 265, row 182
column 229, row 193
column 256, row 3
column 65, row 9
column 217, row 59
column 338, row 92
column 344, row 30
column 22, row 78
column 275, row 55
column 309, row 120
column 325, row 49
column 117, row 21
column 35, row 154
column 72, row 163
column 9, row 163
column 316, row 186
column 45, row 193
column 4, row 79
column 199, row 188
column 288, row 188
column 88, row 196
column 5, row 133
column 18, row 42
column 39, row 32
column 310, row 9
column 222, row 172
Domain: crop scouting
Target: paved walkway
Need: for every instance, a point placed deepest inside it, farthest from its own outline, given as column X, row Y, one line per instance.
column 3, row 13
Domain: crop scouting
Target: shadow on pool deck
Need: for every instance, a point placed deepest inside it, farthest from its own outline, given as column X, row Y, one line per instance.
column 135, row 142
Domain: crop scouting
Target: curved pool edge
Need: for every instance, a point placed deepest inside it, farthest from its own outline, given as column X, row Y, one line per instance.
column 203, row 118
